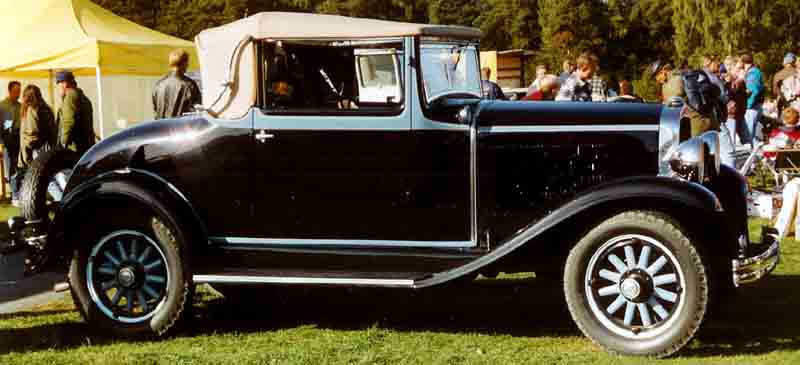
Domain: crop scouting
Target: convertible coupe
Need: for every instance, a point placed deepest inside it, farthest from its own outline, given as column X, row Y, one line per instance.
column 335, row 151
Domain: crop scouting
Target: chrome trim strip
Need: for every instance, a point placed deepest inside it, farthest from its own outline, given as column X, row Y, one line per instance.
column 571, row 128
column 338, row 242
column 241, row 279
column 433, row 125
column 473, row 179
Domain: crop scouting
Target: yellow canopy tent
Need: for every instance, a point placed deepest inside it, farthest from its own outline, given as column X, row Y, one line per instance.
column 41, row 36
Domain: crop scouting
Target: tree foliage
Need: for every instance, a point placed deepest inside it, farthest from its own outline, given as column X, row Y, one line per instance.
column 569, row 27
column 626, row 34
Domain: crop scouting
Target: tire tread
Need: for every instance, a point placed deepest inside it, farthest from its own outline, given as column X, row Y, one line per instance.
column 664, row 222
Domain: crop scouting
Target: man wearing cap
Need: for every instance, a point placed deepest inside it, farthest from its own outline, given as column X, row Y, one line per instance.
column 787, row 71
column 74, row 118
column 175, row 94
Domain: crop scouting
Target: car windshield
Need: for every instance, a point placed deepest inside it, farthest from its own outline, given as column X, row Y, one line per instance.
column 450, row 69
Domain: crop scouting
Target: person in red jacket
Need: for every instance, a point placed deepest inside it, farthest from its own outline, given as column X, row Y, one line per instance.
column 548, row 88
column 787, row 136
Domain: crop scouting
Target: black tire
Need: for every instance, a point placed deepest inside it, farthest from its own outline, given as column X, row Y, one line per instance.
column 682, row 277
column 160, row 313
column 35, row 202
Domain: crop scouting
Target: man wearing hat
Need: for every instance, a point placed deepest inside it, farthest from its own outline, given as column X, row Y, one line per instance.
column 74, row 118
column 787, row 71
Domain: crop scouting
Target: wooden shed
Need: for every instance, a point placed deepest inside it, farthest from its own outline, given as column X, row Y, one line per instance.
column 508, row 67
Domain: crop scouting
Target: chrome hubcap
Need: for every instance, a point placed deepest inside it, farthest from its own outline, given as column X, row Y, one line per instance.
column 127, row 276
column 630, row 289
column 634, row 286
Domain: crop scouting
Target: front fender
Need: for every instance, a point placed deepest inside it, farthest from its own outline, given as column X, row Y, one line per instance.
column 141, row 185
column 647, row 192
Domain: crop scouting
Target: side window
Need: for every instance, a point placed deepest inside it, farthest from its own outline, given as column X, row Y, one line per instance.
column 379, row 77
column 329, row 77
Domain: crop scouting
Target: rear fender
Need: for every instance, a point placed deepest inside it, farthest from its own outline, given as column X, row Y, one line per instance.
column 694, row 202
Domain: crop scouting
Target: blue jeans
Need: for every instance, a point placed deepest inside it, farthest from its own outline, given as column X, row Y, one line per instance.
column 752, row 124
column 727, row 152
column 16, row 184
column 9, row 169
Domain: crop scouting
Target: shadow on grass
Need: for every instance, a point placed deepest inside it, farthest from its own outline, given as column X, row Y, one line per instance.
column 758, row 320
column 30, row 314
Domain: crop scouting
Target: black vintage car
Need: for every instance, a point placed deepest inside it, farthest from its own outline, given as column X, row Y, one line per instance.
column 358, row 152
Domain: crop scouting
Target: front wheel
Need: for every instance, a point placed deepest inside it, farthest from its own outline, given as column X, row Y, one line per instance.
column 636, row 285
column 129, row 273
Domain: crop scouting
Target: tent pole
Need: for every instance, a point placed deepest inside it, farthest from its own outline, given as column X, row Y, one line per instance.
column 51, row 89
column 100, row 101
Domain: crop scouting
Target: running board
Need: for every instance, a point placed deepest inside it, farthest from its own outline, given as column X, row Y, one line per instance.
column 287, row 280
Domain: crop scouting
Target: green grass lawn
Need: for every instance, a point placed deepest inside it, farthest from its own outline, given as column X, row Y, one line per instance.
column 514, row 319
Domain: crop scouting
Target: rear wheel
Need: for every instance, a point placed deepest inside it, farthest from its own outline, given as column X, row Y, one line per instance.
column 129, row 273
column 636, row 285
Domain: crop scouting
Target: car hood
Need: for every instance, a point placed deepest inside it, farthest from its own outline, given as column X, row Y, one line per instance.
column 551, row 113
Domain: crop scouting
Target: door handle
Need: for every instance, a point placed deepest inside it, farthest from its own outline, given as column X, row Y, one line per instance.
column 263, row 136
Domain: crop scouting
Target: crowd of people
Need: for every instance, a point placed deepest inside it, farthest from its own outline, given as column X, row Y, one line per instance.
column 737, row 86
column 30, row 126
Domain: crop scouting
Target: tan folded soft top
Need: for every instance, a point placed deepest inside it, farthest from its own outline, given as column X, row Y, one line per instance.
column 216, row 45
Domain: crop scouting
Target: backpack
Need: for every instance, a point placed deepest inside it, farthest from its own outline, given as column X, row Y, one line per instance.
column 701, row 94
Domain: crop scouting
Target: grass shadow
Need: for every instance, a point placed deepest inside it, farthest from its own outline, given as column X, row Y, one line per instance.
column 753, row 321
column 32, row 314
column 527, row 307
column 756, row 320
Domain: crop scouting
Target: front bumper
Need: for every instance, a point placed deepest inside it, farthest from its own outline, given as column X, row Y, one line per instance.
column 752, row 269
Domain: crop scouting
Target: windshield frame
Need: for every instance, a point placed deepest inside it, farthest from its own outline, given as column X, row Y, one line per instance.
column 426, row 42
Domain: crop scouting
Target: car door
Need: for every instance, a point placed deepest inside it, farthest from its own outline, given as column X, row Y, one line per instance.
column 336, row 176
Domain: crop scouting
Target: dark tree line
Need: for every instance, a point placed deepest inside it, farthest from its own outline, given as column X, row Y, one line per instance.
column 626, row 34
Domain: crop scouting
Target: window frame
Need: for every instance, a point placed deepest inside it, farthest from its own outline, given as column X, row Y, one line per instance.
column 352, row 44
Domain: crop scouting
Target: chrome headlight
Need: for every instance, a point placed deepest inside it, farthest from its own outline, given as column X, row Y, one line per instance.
column 697, row 159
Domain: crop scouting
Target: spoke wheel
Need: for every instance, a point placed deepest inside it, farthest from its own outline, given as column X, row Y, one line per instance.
column 127, row 276
column 634, row 285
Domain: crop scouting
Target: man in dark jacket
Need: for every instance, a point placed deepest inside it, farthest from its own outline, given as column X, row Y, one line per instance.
column 491, row 90
column 9, row 117
column 74, row 117
column 175, row 93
